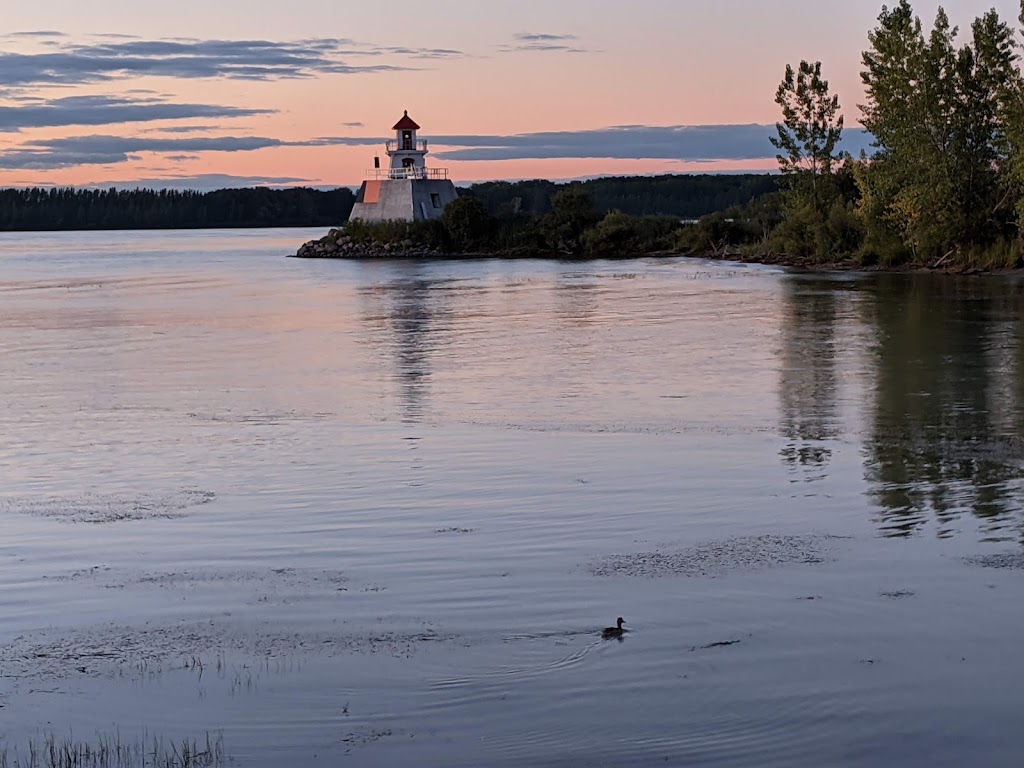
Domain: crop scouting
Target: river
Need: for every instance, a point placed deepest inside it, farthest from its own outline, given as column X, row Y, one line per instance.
column 377, row 513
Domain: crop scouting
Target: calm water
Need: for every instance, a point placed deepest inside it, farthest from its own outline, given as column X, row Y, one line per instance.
column 377, row 513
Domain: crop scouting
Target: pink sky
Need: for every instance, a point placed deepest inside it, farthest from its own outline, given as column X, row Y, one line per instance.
column 125, row 93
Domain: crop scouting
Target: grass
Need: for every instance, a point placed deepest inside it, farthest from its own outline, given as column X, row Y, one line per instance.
column 111, row 752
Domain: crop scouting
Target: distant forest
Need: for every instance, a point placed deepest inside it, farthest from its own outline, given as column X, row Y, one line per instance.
column 74, row 209
column 688, row 197
column 35, row 209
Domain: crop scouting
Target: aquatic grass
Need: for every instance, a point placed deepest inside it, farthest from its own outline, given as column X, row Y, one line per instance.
column 111, row 752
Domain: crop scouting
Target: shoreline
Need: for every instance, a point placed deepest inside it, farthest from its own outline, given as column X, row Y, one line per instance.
column 337, row 246
column 848, row 265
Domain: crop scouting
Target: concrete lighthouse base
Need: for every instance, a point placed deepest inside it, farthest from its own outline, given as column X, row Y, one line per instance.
column 403, row 199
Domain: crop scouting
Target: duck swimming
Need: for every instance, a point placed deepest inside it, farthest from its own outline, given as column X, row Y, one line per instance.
column 617, row 631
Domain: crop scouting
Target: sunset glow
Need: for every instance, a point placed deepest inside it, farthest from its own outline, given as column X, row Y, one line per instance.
column 231, row 94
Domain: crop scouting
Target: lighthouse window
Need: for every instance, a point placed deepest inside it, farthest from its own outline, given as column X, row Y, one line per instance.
column 406, row 139
column 435, row 199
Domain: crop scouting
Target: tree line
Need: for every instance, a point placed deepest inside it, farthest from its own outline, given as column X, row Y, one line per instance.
column 66, row 208
column 683, row 196
column 945, row 182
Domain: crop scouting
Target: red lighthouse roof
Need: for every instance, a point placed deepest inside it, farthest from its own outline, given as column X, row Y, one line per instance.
column 406, row 123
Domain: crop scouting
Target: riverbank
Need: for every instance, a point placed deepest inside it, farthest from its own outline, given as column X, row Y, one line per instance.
column 941, row 266
column 337, row 245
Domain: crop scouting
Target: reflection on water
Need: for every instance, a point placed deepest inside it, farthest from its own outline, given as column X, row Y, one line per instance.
column 945, row 437
column 808, row 385
column 420, row 490
column 933, row 366
column 407, row 317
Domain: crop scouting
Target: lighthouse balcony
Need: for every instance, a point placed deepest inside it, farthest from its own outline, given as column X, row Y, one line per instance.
column 407, row 146
column 407, row 173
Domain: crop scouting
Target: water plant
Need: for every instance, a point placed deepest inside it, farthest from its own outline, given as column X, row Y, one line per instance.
column 108, row 751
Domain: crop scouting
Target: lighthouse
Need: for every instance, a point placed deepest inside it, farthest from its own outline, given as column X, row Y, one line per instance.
column 407, row 190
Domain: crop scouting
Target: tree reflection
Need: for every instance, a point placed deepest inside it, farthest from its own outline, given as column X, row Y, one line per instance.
column 936, row 447
column 808, row 381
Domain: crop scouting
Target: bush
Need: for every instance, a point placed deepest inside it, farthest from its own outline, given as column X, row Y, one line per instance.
column 806, row 233
column 719, row 233
column 467, row 225
column 430, row 234
column 572, row 213
column 619, row 234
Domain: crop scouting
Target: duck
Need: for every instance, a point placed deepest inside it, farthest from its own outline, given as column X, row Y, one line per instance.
column 617, row 631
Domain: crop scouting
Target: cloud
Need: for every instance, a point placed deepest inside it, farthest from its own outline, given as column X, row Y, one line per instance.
column 182, row 129
column 67, row 152
column 540, row 37
column 543, row 42
column 50, row 154
column 119, row 58
column 354, row 124
column 105, row 110
column 342, row 141
column 42, row 33
column 689, row 143
column 424, row 53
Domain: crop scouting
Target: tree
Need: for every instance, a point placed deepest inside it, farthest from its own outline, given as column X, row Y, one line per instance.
column 572, row 213
column 808, row 135
column 467, row 224
column 937, row 114
column 997, row 58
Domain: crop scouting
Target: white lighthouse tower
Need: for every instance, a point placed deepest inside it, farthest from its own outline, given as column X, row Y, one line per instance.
column 407, row 190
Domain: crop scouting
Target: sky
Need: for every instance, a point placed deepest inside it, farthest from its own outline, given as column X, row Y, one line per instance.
column 226, row 93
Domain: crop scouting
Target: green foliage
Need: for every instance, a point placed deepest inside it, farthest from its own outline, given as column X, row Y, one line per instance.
column 816, row 222
column 517, row 232
column 74, row 209
column 720, row 233
column 807, row 137
column 430, row 234
column 946, row 184
column 468, row 225
column 687, row 196
column 619, row 234
column 572, row 213
column 807, row 234
column 939, row 115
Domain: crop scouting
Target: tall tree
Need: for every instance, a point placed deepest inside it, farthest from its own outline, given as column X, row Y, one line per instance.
column 997, row 56
column 935, row 111
column 809, row 133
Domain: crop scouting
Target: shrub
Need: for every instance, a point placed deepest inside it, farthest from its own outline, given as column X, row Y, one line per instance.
column 467, row 225
column 619, row 234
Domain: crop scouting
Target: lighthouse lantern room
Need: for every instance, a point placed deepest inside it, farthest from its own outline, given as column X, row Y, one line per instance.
column 407, row 190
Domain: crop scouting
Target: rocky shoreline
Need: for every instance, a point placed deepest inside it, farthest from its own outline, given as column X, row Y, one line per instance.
column 337, row 245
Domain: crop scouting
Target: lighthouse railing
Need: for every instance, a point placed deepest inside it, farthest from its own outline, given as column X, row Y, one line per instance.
column 407, row 173
column 407, row 146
